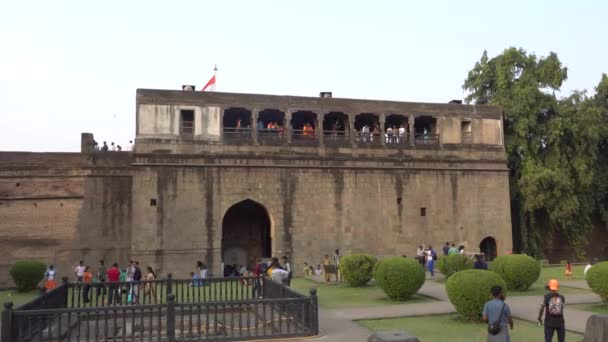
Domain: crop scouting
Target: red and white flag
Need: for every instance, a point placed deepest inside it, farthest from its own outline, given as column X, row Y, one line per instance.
column 210, row 86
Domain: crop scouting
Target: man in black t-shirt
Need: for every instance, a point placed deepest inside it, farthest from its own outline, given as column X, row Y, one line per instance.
column 553, row 308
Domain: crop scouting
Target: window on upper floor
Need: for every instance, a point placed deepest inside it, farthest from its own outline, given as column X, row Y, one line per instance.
column 186, row 122
column 466, row 132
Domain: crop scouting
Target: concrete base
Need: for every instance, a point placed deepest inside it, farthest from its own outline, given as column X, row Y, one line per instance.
column 392, row 336
column 596, row 329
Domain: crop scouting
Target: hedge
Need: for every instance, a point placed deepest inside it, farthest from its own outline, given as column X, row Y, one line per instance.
column 597, row 278
column 357, row 269
column 450, row 264
column 27, row 274
column 518, row 271
column 399, row 277
column 469, row 290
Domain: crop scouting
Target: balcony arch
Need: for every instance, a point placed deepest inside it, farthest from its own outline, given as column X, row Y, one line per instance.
column 336, row 129
column 271, row 127
column 304, row 127
column 367, row 129
column 396, row 128
column 236, row 126
column 425, row 130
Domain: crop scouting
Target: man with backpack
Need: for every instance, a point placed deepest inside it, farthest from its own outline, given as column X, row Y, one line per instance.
column 553, row 307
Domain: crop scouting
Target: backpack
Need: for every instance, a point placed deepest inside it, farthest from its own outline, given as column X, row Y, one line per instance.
column 555, row 306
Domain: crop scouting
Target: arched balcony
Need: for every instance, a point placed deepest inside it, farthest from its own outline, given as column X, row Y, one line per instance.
column 425, row 131
column 367, row 129
column 304, row 128
column 336, row 129
column 237, row 126
column 396, row 130
column 271, row 127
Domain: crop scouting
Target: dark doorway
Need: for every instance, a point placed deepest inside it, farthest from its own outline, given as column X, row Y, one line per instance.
column 237, row 118
column 488, row 248
column 245, row 234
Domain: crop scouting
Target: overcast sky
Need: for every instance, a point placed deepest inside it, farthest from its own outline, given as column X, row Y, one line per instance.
column 68, row 67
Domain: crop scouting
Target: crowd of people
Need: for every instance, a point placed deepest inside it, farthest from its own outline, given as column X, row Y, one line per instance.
column 112, row 147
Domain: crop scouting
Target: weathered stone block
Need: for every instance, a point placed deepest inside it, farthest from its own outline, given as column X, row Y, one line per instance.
column 392, row 336
column 596, row 329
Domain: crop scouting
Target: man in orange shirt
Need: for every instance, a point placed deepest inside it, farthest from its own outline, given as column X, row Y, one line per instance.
column 87, row 279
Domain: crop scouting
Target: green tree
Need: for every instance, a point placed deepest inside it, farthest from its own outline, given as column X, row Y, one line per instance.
column 551, row 145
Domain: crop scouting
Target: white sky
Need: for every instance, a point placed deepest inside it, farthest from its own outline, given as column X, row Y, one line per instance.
column 68, row 67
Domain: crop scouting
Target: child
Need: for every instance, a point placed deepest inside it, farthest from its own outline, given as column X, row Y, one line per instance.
column 49, row 276
column 568, row 272
column 319, row 271
column 195, row 279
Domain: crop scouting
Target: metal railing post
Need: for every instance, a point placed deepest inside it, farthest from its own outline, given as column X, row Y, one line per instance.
column 7, row 323
column 314, row 312
column 169, row 284
column 66, row 291
column 171, row 317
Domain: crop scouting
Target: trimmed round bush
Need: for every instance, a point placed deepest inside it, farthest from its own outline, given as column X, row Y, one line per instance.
column 469, row 290
column 597, row 278
column 27, row 274
column 450, row 264
column 399, row 277
column 357, row 269
column 518, row 271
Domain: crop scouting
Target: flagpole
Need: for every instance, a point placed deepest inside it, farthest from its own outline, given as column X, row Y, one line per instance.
column 215, row 75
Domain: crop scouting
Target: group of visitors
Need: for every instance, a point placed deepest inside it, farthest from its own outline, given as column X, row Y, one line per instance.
column 327, row 263
column 127, row 281
column 395, row 135
column 497, row 314
column 427, row 257
column 112, row 147
column 270, row 127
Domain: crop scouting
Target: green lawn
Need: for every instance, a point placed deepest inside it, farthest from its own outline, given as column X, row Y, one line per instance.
column 18, row 298
column 557, row 272
column 595, row 308
column 452, row 328
column 344, row 296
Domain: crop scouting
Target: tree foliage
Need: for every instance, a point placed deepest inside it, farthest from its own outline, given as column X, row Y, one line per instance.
column 556, row 148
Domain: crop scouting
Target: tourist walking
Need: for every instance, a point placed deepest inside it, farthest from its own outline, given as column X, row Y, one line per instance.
column 337, row 258
column 446, row 248
column 432, row 256
column 79, row 271
column 553, row 308
column 113, row 278
column 326, row 262
column 49, row 278
column 287, row 265
column 498, row 315
column 150, row 287
column 420, row 255
column 101, row 277
column 87, row 279
column 453, row 250
column 136, row 282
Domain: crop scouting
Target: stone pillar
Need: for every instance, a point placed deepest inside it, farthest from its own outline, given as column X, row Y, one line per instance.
column 222, row 125
column 351, row 125
column 254, row 125
column 410, row 123
column 382, row 135
column 288, row 127
column 86, row 143
column 319, row 131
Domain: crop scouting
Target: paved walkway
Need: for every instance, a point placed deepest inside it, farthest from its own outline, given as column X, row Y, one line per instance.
column 337, row 324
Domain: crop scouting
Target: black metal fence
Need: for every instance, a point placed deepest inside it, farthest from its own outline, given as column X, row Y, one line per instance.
column 214, row 309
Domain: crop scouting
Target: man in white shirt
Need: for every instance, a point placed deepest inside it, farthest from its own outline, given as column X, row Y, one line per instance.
column 79, row 270
column 587, row 268
column 279, row 275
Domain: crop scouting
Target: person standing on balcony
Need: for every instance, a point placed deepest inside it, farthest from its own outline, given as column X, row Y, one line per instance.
column 238, row 124
column 402, row 136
